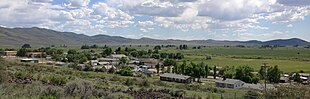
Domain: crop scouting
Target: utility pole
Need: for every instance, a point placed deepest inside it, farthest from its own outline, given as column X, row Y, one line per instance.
column 265, row 67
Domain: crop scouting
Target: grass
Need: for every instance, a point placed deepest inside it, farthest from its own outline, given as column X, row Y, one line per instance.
column 288, row 59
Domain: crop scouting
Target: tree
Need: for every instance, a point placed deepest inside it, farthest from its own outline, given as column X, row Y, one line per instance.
column 297, row 78
column 107, row 52
column 118, row 50
column 26, row 46
column 214, row 72
column 72, row 51
column 126, row 72
column 157, row 67
column 85, row 47
column 169, row 62
column 274, row 74
column 123, row 61
column 22, row 52
column 83, row 59
column 179, row 56
column 206, row 71
column 244, row 73
column 158, row 47
column 262, row 73
column 182, row 67
column 156, row 56
column 134, row 54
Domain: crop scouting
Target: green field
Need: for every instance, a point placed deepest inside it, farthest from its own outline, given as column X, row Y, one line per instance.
column 288, row 59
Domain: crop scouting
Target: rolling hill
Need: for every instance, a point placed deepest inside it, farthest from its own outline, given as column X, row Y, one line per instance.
column 41, row 36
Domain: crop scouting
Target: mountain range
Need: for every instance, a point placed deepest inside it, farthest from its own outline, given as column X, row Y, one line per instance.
column 41, row 36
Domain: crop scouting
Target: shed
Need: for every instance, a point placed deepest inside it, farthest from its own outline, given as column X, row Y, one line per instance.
column 175, row 78
column 229, row 83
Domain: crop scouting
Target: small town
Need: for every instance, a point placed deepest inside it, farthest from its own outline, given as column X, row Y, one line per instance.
column 154, row 49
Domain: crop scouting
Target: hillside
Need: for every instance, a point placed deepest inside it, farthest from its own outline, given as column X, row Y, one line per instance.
column 40, row 36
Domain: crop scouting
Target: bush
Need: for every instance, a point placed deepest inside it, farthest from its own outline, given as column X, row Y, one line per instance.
column 130, row 82
column 80, row 88
column 57, row 80
column 126, row 72
column 51, row 92
column 119, row 95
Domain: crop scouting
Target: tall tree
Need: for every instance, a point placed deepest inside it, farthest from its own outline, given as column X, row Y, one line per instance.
column 206, row 71
column 26, row 46
column 157, row 67
column 182, row 67
column 297, row 78
column 274, row 74
column 244, row 73
column 214, row 72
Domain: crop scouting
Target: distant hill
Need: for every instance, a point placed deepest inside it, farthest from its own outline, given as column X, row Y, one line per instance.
column 40, row 36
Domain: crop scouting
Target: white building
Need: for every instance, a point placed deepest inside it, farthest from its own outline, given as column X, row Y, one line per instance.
column 229, row 83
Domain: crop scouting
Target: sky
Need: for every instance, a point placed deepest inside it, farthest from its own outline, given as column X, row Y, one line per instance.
column 165, row 19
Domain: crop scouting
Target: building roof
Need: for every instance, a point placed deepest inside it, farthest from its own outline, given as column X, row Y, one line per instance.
column 229, row 81
column 34, row 53
column 118, row 55
column 304, row 74
column 10, row 51
column 28, row 59
column 169, row 75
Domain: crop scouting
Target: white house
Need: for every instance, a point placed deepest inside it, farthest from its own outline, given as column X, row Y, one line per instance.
column 116, row 56
column 229, row 83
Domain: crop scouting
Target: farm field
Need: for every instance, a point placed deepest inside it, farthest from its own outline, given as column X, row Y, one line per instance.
column 288, row 59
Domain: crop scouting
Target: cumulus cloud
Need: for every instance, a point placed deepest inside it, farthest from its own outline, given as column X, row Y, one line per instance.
column 294, row 2
column 78, row 3
column 149, row 7
column 145, row 23
column 229, row 16
column 233, row 9
column 42, row 1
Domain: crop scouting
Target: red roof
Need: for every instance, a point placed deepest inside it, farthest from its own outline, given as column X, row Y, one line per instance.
column 35, row 53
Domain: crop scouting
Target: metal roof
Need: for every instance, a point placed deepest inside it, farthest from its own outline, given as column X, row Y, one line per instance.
column 228, row 81
column 177, row 76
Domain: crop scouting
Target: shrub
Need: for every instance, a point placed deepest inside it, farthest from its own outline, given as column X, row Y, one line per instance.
column 80, row 88
column 119, row 95
column 130, row 82
column 51, row 92
column 57, row 80
column 126, row 72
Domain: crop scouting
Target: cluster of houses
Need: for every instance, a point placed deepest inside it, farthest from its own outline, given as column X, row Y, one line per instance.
column 140, row 65
column 147, row 66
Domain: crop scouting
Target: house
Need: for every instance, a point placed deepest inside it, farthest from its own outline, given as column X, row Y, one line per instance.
column 175, row 78
column 29, row 60
column 94, row 62
column 151, row 62
column 305, row 77
column 10, row 53
column 229, row 83
column 36, row 54
column 116, row 56
column 60, row 64
column 284, row 79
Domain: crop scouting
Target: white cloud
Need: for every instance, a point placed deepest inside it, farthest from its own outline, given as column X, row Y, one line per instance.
column 42, row 1
column 145, row 23
column 234, row 9
column 294, row 2
column 78, row 3
column 144, row 30
column 290, row 25
column 288, row 15
column 149, row 7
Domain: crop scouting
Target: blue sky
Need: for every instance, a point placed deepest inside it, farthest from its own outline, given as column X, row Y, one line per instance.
column 165, row 19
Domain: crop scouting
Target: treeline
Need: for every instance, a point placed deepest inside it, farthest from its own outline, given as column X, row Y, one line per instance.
column 202, row 70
